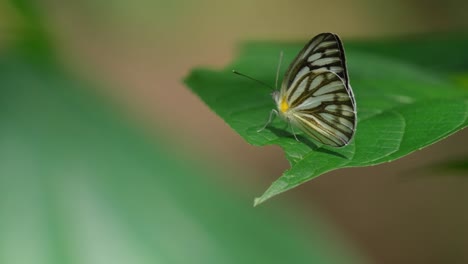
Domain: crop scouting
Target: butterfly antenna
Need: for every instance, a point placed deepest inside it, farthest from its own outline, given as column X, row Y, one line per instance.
column 278, row 69
column 253, row 79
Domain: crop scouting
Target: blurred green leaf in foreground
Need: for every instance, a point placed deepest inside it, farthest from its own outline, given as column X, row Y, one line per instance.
column 79, row 185
column 405, row 95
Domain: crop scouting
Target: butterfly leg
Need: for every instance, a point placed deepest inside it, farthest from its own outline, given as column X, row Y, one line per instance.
column 292, row 129
column 270, row 119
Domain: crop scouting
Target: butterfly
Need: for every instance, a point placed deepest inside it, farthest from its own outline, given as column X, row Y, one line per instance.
column 315, row 94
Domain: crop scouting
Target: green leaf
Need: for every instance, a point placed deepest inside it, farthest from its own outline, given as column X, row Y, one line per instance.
column 404, row 104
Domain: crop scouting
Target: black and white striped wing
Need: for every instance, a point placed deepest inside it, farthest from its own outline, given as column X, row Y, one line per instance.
column 324, row 52
column 322, row 108
column 317, row 89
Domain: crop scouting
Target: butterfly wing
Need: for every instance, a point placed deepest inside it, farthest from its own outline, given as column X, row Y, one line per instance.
column 318, row 93
column 324, row 52
column 322, row 107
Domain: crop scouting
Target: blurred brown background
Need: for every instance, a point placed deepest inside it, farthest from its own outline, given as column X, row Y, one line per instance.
column 401, row 212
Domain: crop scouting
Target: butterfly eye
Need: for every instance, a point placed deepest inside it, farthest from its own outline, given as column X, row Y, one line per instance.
column 275, row 96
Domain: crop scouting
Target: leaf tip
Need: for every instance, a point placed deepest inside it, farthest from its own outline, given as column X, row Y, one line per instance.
column 258, row 201
column 276, row 188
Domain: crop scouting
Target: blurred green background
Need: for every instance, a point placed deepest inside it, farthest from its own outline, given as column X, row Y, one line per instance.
column 105, row 157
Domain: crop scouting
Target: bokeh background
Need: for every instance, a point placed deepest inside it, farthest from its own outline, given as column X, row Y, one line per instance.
column 106, row 157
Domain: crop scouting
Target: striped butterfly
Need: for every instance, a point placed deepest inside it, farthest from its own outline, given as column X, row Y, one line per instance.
column 315, row 94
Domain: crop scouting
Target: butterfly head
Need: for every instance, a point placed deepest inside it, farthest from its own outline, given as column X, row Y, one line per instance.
column 275, row 96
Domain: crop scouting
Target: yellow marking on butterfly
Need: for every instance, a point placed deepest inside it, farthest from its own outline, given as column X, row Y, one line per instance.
column 284, row 105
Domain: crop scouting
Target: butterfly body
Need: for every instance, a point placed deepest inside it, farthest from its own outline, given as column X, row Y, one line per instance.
column 315, row 95
column 283, row 108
